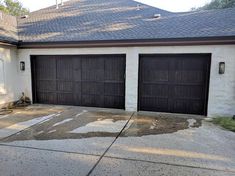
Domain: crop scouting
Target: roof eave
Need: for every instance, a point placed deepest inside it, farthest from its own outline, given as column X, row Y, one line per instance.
column 8, row 43
column 129, row 43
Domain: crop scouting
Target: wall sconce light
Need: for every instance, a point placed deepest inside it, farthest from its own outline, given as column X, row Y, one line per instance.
column 221, row 67
column 22, row 66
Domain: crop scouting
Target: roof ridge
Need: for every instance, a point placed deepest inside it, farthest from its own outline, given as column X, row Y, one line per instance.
column 70, row 1
column 152, row 6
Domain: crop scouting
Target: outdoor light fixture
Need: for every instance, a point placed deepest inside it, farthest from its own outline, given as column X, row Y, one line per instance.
column 22, row 66
column 221, row 67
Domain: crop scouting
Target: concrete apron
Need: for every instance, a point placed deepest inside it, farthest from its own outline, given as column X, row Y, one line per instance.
column 57, row 140
column 147, row 137
column 86, row 130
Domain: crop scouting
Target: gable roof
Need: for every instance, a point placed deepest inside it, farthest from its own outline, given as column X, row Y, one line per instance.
column 121, row 20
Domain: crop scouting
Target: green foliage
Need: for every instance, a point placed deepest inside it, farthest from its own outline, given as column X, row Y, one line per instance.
column 225, row 122
column 217, row 4
column 13, row 7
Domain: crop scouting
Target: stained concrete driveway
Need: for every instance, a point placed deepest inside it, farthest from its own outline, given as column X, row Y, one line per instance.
column 63, row 140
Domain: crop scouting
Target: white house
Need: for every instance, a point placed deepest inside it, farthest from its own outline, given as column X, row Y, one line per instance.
column 121, row 54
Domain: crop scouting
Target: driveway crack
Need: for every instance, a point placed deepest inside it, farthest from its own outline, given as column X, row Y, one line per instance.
column 93, row 168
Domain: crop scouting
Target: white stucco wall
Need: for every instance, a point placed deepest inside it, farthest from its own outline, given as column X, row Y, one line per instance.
column 222, row 87
column 8, row 87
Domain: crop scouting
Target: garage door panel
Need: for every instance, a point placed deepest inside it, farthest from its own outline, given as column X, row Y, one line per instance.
column 190, row 62
column 112, row 102
column 185, row 106
column 153, row 90
column 45, row 74
column 93, row 100
column 77, row 69
column 187, row 92
column 85, row 80
column 156, row 75
column 66, row 86
column 92, row 62
column 181, row 78
column 114, row 69
column 77, row 87
column 78, row 99
column 156, row 63
column 92, row 75
column 189, row 77
column 46, row 85
column 93, row 69
column 92, row 88
column 45, row 68
column 64, row 69
column 47, row 98
column 77, row 75
column 114, row 75
column 65, row 99
column 114, row 89
column 154, row 104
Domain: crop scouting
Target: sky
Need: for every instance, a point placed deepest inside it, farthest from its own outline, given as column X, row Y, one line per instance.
column 170, row 5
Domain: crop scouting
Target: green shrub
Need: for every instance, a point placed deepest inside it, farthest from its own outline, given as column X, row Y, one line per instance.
column 225, row 122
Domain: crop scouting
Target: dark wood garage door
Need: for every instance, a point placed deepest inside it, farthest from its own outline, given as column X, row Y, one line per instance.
column 174, row 83
column 86, row 80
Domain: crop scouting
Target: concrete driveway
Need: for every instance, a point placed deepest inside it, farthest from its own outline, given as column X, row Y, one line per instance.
column 63, row 140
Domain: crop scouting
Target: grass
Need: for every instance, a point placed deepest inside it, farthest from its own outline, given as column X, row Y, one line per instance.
column 225, row 122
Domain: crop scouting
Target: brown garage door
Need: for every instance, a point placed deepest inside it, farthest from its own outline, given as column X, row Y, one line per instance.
column 174, row 83
column 86, row 80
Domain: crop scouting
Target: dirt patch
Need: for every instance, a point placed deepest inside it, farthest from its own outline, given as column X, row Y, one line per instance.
column 78, row 124
column 153, row 125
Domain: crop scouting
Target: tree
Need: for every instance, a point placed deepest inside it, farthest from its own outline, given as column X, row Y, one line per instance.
column 13, row 7
column 217, row 4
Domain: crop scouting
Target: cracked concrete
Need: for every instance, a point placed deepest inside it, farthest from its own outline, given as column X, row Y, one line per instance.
column 94, row 141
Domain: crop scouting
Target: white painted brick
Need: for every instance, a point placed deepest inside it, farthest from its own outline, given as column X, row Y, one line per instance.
column 222, row 87
column 8, row 55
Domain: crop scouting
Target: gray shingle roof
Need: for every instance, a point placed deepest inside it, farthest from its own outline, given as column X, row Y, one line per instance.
column 100, row 20
column 8, row 28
